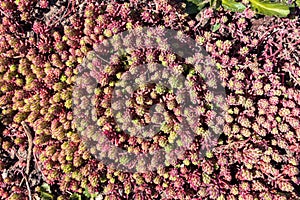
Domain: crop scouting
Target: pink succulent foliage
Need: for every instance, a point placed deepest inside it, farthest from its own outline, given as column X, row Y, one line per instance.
column 256, row 156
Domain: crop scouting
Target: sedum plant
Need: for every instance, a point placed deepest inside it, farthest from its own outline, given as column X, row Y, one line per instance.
column 257, row 59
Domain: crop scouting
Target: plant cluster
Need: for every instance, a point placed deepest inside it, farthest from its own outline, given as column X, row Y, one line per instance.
column 256, row 156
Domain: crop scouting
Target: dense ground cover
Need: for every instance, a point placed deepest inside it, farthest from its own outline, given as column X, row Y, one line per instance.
column 256, row 58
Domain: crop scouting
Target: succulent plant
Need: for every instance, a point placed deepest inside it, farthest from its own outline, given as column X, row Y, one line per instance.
column 257, row 59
